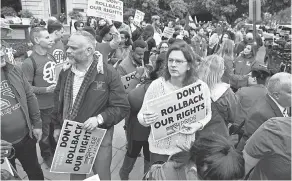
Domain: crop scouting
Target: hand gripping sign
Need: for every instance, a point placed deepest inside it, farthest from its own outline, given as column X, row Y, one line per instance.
column 186, row 105
column 76, row 149
column 128, row 82
column 107, row 9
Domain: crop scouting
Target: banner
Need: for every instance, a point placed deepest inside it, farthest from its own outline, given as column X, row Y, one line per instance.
column 107, row 9
column 76, row 149
column 168, row 32
column 128, row 83
column 5, row 165
column 186, row 105
column 139, row 16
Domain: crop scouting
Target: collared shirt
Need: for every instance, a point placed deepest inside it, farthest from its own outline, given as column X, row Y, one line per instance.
column 282, row 109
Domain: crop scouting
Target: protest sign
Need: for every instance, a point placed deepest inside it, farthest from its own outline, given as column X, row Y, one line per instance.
column 128, row 82
column 139, row 16
column 5, row 165
column 186, row 105
column 76, row 149
column 168, row 32
column 107, row 9
column 93, row 178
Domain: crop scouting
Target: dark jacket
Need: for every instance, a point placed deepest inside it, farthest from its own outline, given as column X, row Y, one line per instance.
column 260, row 112
column 105, row 95
column 248, row 96
column 224, row 110
column 24, row 95
column 135, row 131
column 242, row 67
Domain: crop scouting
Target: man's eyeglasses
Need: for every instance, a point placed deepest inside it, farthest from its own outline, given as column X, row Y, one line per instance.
column 178, row 62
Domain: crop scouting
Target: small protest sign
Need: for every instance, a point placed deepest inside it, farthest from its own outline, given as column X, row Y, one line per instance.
column 58, row 69
column 186, row 105
column 139, row 16
column 93, row 178
column 168, row 32
column 108, row 9
column 5, row 165
column 128, row 82
column 76, row 149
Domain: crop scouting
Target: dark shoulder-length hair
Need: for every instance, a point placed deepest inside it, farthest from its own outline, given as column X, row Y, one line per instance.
column 127, row 35
column 214, row 157
column 191, row 57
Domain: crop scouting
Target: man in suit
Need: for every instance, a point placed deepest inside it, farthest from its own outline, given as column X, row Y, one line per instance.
column 275, row 104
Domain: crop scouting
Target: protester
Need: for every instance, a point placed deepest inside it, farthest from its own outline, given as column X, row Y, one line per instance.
column 21, row 125
column 123, row 27
column 275, row 104
column 199, row 43
column 268, row 151
column 137, row 135
column 226, row 52
column 138, row 32
column 98, row 95
column 214, row 41
column 108, row 38
column 224, row 103
column 238, row 35
column 124, row 48
column 248, row 96
column 39, row 70
column 78, row 25
column 239, row 47
column 134, row 61
column 242, row 67
column 148, row 37
column 56, row 31
column 156, row 26
column 162, row 47
column 132, row 26
column 210, row 158
column 178, row 73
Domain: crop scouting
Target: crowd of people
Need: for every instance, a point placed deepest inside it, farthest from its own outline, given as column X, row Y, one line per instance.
column 246, row 132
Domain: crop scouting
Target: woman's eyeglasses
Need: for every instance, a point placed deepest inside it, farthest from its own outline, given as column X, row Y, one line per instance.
column 178, row 62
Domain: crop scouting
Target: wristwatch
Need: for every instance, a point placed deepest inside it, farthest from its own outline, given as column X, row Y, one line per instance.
column 100, row 120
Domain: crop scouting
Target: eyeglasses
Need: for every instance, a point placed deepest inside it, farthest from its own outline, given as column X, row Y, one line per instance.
column 163, row 47
column 178, row 62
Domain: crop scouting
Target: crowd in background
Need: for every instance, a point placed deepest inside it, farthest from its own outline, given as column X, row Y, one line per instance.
column 246, row 132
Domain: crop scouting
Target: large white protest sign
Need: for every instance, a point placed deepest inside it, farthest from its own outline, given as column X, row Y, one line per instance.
column 108, row 9
column 76, row 149
column 186, row 105
column 139, row 16
column 168, row 32
column 5, row 165
column 128, row 82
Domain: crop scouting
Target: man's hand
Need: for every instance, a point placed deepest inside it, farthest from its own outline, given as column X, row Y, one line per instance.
column 109, row 22
column 140, row 71
column 5, row 148
column 91, row 123
column 57, row 134
column 37, row 132
column 51, row 88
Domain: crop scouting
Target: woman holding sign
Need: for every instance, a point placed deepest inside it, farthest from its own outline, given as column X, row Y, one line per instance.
column 179, row 72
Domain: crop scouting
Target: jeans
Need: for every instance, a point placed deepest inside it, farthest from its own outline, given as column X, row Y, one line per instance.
column 25, row 152
column 103, row 159
column 45, row 143
column 136, row 148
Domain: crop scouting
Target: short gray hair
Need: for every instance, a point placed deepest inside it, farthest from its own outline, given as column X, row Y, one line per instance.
column 277, row 82
column 88, row 36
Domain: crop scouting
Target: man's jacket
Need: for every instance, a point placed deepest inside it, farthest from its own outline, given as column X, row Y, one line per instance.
column 105, row 95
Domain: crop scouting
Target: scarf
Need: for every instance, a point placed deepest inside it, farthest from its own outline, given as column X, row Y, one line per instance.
column 72, row 110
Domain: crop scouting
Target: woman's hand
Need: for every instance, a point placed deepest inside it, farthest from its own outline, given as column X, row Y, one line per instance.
column 191, row 128
column 150, row 117
column 6, row 148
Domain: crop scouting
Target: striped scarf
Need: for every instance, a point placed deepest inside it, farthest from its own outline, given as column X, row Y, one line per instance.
column 72, row 111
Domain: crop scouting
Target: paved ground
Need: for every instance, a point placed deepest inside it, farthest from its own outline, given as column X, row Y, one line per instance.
column 119, row 142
